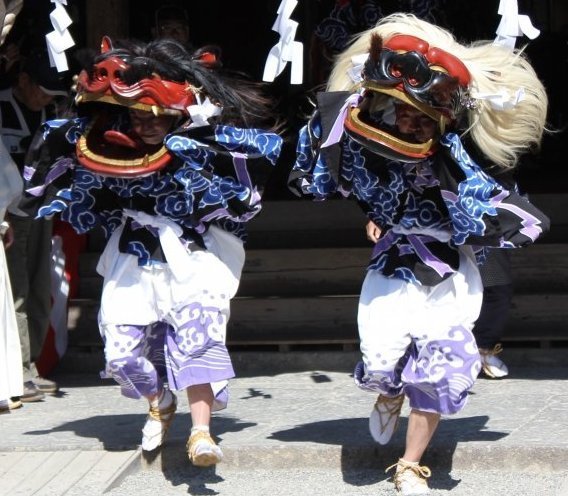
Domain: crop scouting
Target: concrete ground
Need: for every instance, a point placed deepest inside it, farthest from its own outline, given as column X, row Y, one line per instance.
column 296, row 432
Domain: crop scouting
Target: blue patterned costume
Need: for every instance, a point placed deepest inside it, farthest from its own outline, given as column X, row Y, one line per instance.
column 447, row 196
column 211, row 187
column 432, row 214
column 411, row 125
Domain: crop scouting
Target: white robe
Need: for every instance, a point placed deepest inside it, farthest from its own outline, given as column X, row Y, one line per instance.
column 11, row 374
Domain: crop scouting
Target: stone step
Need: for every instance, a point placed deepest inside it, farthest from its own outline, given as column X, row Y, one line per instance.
column 331, row 481
column 335, row 271
column 73, row 472
column 537, row 319
column 305, row 265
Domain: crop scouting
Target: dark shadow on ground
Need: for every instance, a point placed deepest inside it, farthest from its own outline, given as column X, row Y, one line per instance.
column 197, row 479
column 359, row 452
column 123, row 432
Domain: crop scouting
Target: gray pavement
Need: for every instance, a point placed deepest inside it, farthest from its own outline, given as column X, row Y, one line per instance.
column 302, row 431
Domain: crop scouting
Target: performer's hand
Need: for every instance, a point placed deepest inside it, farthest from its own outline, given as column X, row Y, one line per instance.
column 373, row 231
column 9, row 56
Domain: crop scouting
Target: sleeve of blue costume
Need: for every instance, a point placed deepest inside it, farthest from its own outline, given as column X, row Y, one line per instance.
column 310, row 174
column 48, row 171
column 222, row 173
column 483, row 212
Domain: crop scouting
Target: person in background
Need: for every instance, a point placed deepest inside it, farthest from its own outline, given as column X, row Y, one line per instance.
column 11, row 376
column 172, row 22
column 23, row 108
column 497, row 278
column 9, row 62
column 346, row 18
column 495, row 309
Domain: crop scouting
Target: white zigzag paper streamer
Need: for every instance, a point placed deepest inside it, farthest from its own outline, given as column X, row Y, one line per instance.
column 286, row 50
column 60, row 38
column 513, row 25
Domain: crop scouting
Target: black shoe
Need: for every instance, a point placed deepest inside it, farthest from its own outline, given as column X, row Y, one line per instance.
column 31, row 393
column 45, row 385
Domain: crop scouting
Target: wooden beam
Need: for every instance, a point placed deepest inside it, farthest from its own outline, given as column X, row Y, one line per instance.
column 106, row 17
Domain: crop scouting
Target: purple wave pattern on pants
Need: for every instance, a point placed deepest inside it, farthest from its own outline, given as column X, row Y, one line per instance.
column 196, row 350
column 435, row 378
column 187, row 351
column 154, row 349
column 439, row 377
column 126, row 362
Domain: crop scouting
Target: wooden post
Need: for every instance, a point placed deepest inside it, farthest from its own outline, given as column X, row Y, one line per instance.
column 106, row 17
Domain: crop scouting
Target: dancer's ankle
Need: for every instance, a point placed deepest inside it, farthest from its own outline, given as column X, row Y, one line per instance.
column 200, row 428
column 161, row 400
